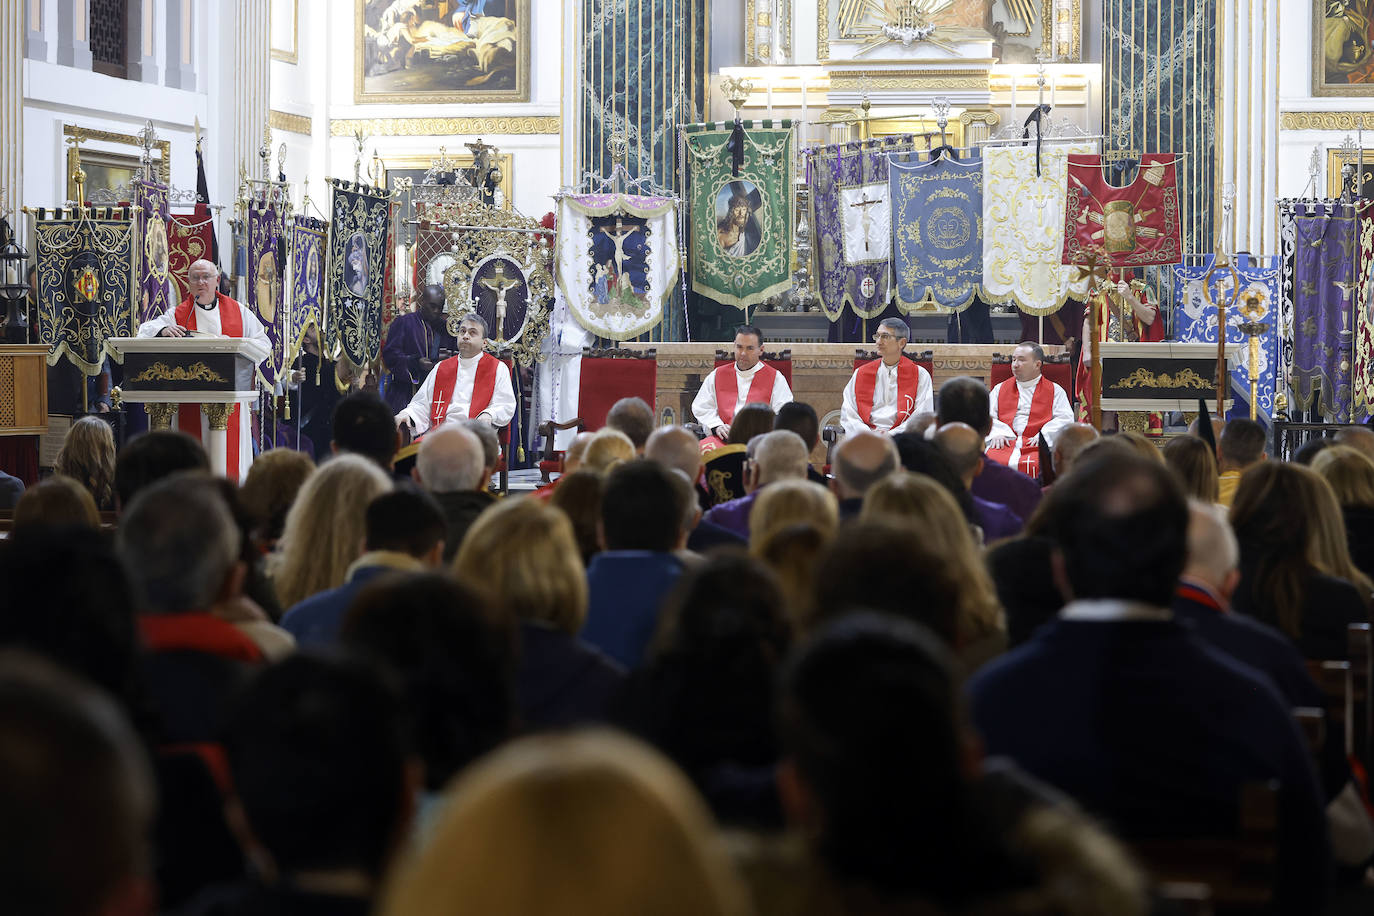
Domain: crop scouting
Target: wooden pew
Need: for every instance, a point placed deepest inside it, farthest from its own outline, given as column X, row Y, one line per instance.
column 1239, row 869
column 1335, row 678
column 1362, row 688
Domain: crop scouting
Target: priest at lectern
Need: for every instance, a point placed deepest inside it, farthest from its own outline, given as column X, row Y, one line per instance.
column 209, row 313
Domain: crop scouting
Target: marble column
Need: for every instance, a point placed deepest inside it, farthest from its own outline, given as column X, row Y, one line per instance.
column 181, row 69
column 12, row 44
column 141, row 30
column 251, row 68
column 1248, row 119
column 73, row 34
column 36, row 45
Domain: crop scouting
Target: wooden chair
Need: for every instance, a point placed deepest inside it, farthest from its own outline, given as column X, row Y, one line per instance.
column 1057, row 368
column 1239, row 869
column 1362, row 688
column 1337, row 685
column 831, row 434
column 608, row 374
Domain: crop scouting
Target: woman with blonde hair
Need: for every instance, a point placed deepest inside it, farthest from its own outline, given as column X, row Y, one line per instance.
column 326, row 528
column 1295, row 568
column 88, row 457
column 918, row 501
column 523, row 556
column 1194, row 466
column 606, row 449
column 789, row 502
column 793, row 552
column 273, row 482
column 591, row 823
column 1351, row 475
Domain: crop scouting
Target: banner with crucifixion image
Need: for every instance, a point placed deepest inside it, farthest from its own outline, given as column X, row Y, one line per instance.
column 618, row 261
column 359, row 229
column 740, row 204
column 852, row 222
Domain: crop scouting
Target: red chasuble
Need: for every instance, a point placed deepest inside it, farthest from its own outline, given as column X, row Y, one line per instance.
column 727, row 391
column 1135, row 226
column 1041, row 412
column 908, row 384
column 188, row 415
column 483, row 384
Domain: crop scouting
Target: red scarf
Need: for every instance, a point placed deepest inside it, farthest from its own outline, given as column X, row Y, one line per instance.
column 908, row 385
column 727, row 390
column 196, row 632
column 1041, row 412
column 446, row 376
column 188, row 415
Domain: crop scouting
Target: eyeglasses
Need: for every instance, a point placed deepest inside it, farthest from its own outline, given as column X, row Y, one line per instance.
column 877, row 338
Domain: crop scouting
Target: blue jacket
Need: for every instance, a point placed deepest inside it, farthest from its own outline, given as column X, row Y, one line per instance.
column 316, row 621
column 625, row 591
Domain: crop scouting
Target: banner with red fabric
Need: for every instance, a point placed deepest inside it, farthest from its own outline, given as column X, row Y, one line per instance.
column 190, row 238
column 1135, row 225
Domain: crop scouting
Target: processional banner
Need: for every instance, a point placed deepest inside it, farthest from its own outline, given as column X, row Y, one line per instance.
column 358, row 239
column 307, row 268
column 938, row 231
column 1023, row 238
column 618, row 261
column 1326, row 277
column 852, row 216
column 152, row 251
column 85, row 285
column 1198, row 291
column 741, row 243
column 1362, row 373
column 266, row 266
column 190, row 238
column 1136, row 225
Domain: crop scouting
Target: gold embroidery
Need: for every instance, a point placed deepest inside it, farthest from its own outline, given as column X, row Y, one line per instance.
column 161, row 372
column 1144, row 378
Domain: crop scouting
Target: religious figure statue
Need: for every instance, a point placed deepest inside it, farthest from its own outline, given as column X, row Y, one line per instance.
column 621, row 233
column 500, row 284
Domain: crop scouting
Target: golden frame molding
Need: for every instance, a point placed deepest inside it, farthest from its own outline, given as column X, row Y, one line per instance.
column 1334, row 162
column 164, row 164
column 443, row 127
column 1326, row 120
column 856, row 80
column 292, row 123
column 293, row 55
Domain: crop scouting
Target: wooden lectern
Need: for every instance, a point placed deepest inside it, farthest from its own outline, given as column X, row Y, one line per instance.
column 1163, row 376
column 214, row 372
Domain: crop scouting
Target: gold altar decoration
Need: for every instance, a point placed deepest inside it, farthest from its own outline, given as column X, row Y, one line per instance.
column 1144, row 378
column 161, row 372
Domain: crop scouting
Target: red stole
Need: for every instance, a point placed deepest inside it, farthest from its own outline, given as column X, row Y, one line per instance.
column 1041, row 412
column 188, row 415
column 727, row 389
column 446, row 376
column 908, row 384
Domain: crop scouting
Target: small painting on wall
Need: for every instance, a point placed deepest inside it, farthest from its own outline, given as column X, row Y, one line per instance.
column 418, row 51
column 1343, row 47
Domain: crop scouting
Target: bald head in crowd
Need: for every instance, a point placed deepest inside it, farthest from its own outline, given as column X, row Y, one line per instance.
column 633, row 417
column 963, row 446
column 1213, row 554
column 861, row 460
column 675, row 447
column 1072, row 440
column 779, row 455
column 450, row 460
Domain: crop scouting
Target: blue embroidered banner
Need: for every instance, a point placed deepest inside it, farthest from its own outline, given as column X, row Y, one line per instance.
column 307, row 271
column 1197, row 290
column 937, row 232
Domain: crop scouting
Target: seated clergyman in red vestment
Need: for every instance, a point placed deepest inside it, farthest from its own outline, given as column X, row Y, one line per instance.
column 1025, row 409
column 885, row 394
column 472, row 384
column 748, row 380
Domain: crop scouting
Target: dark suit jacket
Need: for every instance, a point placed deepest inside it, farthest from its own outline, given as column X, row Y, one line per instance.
column 1328, row 606
column 1155, row 732
column 1000, row 484
column 1359, row 534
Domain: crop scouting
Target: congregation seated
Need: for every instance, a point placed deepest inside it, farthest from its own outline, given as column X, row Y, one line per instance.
column 633, row 417
column 776, row 455
column 861, row 460
column 792, row 502
column 523, row 557
column 452, row 465
column 723, row 468
column 801, row 419
column 1351, row 476
column 1295, row 568
column 963, row 446
column 676, row 448
column 57, row 501
column 152, row 456
column 643, row 521
column 88, row 457
column 362, row 425
column 270, row 489
column 965, row 400
column 579, row 498
column 403, row 532
column 1239, row 448
column 1127, row 685
column 1360, row 438
column 1071, row 442
column 1194, row 464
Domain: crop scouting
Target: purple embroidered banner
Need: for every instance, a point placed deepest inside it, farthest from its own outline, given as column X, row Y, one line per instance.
column 152, row 291
column 265, row 268
column 853, row 223
column 307, row 273
column 1324, row 295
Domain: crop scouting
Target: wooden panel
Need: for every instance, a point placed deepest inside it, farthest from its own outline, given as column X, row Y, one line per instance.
column 23, row 389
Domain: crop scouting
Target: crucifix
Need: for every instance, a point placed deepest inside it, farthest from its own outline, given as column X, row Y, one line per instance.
column 866, row 215
column 619, row 236
column 499, row 284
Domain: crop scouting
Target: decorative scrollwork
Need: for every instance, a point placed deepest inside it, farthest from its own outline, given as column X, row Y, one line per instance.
column 1144, row 378
column 196, row 372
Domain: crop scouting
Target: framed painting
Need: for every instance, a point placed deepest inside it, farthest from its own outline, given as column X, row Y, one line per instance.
column 284, row 30
column 1342, row 47
column 442, row 51
column 1364, row 186
column 111, row 160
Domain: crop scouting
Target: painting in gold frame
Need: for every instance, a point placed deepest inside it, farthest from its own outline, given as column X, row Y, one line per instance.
column 1060, row 27
column 107, row 168
column 1334, row 162
column 285, row 14
column 1342, row 49
column 444, row 51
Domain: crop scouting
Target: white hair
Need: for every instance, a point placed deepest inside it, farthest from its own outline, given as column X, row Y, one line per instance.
column 1212, row 548
column 450, row 460
column 779, row 455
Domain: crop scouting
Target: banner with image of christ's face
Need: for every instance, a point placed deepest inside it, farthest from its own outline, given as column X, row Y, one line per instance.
column 359, row 228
